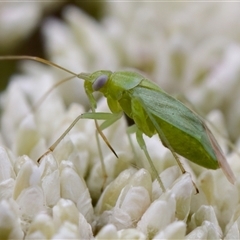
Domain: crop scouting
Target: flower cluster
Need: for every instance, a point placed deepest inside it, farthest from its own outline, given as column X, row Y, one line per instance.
column 67, row 195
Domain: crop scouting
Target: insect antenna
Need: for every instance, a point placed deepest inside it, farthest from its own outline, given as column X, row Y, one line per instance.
column 44, row 96
column 37, row 59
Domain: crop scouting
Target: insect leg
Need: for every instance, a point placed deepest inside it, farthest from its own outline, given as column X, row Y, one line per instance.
column 108, row 117
column 141, row 142
column 108, row 122
column 130, row 130
column 99, row 129
column 167, row 144
column 100, row 152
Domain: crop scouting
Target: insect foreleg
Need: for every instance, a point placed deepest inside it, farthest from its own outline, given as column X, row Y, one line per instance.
column 99, row 129
column 99, row 116
column 141, row 142
column 108, row 122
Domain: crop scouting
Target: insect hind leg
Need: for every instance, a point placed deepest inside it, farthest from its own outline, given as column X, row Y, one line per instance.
column 167, row 144
column 142, row 144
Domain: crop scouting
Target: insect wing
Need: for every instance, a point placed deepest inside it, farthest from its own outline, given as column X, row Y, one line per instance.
column 220, row 156
column 183, row 129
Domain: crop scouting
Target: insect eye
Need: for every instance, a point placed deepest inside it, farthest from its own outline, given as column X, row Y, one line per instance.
column 99, row 82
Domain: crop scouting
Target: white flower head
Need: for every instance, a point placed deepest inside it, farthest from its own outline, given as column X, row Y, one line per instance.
column 81, row 190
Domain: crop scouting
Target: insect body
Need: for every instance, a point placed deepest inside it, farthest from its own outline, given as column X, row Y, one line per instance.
column 156, row 112
column 153, row 112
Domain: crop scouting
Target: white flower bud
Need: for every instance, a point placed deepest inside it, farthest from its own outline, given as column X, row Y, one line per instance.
column 206, row 231
column 114, row 166
column 28, row 176
column 67, row 231
column 168, row 176
column 182, row 190
column 10, row 225
column 69, row 222
column 107, row 232
column 131, row 204
column 111, row 193
column 73, row 187
column 233, row 232
column 158, row 216
column 7, row 174
column 125, row 200
column 41, row 227
column 175, row 230
column 206, row 217
column 131, row 233
column 6, row 168
column 50, row 179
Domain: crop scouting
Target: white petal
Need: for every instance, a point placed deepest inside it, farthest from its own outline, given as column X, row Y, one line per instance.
column 107, row 232
column 183, row 190
column 67, row 231
column 111, row 193
column 158, row 216
column 85, row 228
column 168, row 176
column 28, row 175
column 6, row 168
column 175, row 230
column 113, row 165
column 135, row 202
column 69, row 221
column 131, row 204
column 65, row 210
column 74, row 187
column 131, row 233
column 205, row 214
column 7, row 188
column 206, row 231
column 41, row 227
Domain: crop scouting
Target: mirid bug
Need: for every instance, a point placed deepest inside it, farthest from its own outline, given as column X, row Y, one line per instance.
column 153, row 111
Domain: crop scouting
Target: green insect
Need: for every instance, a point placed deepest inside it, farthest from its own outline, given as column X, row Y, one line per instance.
column 153, row 112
